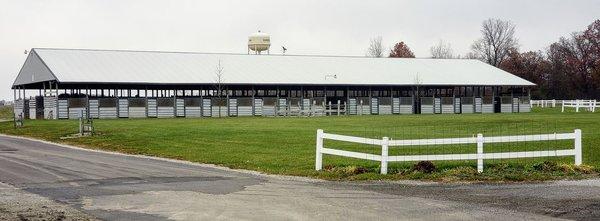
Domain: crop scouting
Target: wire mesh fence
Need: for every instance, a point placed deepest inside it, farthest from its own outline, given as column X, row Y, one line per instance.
column 466, row 130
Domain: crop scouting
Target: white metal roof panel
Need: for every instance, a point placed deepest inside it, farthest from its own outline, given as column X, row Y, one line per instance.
column 102, row 66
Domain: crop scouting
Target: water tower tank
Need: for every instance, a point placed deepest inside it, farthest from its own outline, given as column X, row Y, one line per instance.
column 259, row 42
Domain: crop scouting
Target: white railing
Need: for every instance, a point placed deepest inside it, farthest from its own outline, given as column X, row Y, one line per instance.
column 590, row 105
column 385, row 143
column 543, row 103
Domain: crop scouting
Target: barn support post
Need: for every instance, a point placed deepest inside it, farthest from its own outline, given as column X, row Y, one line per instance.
column 370, row 102
column 14, row 106
column 347, row 100
column 55, row 114
column 325, row 99
column 227, row 101
column 253, row 102
column 201, row 92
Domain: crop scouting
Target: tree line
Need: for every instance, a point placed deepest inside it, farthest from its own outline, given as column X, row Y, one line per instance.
column 566, row 69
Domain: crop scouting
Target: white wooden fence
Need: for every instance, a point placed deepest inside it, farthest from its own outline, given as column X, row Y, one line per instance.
column 544, row 103
column 590, row 105
column 385, row 143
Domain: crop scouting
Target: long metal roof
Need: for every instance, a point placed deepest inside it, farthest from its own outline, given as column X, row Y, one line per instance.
column 148, row 67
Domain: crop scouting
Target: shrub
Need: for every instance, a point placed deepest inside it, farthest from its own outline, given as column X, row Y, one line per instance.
column 424, row 166
column 545, row 166
column 462, row 171
column 571, row 168
column 346, row 170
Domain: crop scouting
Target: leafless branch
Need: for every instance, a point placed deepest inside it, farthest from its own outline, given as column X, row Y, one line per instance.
column 375, row 49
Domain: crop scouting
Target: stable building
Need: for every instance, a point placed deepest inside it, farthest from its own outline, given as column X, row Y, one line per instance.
column 64, row 83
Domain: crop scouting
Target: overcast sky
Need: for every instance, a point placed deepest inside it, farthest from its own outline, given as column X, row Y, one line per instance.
column 304, row 27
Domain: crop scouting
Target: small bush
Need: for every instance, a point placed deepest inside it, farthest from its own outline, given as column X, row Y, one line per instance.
column 586, row 169
column 547, row 166
column 462, row 171
column 500, row 167
column 424, row 166
column 346, row 170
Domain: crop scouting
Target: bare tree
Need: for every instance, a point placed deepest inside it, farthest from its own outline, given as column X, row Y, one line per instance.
column 442, row 50
column 219, row 84
column 496, row 41
column 375, row 49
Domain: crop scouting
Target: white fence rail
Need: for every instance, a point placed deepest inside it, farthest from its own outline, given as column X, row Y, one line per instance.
column 589, row 105
column 543, row 103
column 480, row 140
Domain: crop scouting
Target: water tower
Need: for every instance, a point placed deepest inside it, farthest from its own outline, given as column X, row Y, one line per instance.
column 259, row 42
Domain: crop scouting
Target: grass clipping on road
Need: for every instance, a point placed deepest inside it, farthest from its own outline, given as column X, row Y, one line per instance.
column 287, row 145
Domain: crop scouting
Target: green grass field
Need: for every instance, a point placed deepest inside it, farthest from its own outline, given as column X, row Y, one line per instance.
column 287, row 145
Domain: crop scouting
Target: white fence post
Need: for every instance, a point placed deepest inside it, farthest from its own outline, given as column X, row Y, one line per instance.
column 319, row 158
column 479, row 153
column 384, row 154
column 578, row 152
column 563, row 106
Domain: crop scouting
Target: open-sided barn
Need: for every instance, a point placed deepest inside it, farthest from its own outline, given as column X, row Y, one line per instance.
column 60, row 83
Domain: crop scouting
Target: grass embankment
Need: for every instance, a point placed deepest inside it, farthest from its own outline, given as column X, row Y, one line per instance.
column 287, row 145
column 6, row 112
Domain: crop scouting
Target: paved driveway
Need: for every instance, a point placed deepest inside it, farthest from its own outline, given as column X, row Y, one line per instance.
column 120, row 187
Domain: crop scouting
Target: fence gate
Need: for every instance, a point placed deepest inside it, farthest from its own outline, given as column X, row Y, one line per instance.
column 406, row 105
column 94, row 112
column 478, row 105
column 137, row 107
column 269, row 106
column 32, row 109
column 306, row 106
column 50, row 109
column 258, row 107
column 385, row 105
column 352, row 106
column 457, row 105
column 152, row 108
column 437, row 105
column 206, row 108
column 487, row 105
column 467, row 106
column 107, row 108
column 282, row 106
column 180, row 110
column 396, row 105
column 524, row 104
column 374, row 105
column 515, row 105
column 76, row 106
column 244, row 106
column 233, row 107
column 427, row 105
column 63, row 109
column 193, row 107
column 123, row 108
column 506, row 104
column 165, row 107
column 447, row 105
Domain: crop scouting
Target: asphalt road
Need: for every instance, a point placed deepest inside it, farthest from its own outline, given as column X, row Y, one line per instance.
column 120, row 187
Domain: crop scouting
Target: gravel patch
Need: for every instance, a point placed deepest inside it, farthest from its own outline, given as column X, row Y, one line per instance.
column 16, row 204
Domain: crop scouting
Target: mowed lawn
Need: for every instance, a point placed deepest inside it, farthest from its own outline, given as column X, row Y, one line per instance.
column 279, row 145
